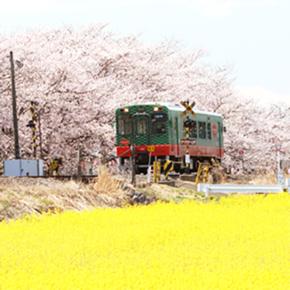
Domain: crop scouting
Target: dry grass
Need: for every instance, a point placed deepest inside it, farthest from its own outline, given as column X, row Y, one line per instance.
column 105, row 183
column 168, row 193
column 21, row 196
column 264, row 179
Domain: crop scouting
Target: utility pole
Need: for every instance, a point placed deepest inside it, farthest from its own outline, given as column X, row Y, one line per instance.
column 14, row 109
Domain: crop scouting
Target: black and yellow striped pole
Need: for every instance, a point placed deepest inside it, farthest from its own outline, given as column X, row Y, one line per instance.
column 32, row 124
column 168, row 167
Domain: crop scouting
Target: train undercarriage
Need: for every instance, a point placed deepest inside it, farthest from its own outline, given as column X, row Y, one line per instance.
column 206, row 169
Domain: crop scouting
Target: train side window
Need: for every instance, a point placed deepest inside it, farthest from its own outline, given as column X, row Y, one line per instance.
column 124, row 125
column 202, row 130
column 193, row 130
column 209, row 131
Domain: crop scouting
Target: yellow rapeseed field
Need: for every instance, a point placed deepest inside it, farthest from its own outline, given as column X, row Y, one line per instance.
column 241, row 242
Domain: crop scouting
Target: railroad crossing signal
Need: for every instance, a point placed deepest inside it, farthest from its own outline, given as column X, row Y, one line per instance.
column 32, row 124
column 188, row 107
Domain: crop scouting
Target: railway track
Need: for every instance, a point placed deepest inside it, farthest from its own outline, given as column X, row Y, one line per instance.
column 81, row 178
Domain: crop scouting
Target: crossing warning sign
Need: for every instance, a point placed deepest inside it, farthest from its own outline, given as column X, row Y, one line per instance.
column 168, row 167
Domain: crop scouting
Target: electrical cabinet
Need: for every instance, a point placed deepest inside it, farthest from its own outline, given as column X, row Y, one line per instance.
column 21, row 167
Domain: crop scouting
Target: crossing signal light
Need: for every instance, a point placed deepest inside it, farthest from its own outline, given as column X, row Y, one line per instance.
column 31, row 124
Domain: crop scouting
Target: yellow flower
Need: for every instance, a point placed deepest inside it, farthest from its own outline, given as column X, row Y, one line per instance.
column 240, row 242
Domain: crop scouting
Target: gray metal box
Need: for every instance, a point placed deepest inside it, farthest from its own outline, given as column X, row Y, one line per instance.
column 21, row 167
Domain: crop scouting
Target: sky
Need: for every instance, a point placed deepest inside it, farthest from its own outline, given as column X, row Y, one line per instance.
column 252, row 37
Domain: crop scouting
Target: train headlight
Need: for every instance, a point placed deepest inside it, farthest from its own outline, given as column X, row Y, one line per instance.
column 125, row 110
column 157, row 109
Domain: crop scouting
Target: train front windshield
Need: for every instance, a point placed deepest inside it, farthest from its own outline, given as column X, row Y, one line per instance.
column 124, row 125
column 142, row 125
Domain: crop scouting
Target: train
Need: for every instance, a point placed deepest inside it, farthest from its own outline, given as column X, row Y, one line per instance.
column 165, row 131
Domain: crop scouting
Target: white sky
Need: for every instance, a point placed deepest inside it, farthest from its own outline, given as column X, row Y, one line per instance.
column 252, row 36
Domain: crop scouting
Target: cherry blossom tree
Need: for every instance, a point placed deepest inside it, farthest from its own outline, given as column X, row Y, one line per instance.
column 79, row 77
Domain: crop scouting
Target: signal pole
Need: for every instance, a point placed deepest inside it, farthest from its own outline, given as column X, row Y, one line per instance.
column 133, row 165
column 14, row 109
column 32, row 124
column 40, row 134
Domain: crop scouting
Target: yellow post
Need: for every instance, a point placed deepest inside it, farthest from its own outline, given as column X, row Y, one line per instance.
column 202, row 173
column 198, row 173
column 156, row 171
column 205, row 173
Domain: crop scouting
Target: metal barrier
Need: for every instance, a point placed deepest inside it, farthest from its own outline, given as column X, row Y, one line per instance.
column 209, row 189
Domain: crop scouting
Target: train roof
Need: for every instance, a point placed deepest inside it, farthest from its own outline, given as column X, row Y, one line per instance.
column 177, row 107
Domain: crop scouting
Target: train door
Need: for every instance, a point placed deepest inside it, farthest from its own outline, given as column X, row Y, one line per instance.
column 177, row 136
column 220, row 139
column 141, row 129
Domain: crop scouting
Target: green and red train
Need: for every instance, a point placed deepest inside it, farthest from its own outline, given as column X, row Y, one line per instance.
column 168, row 131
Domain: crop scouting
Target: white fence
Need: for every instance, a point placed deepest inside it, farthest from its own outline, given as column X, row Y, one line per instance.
column 210, row 189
